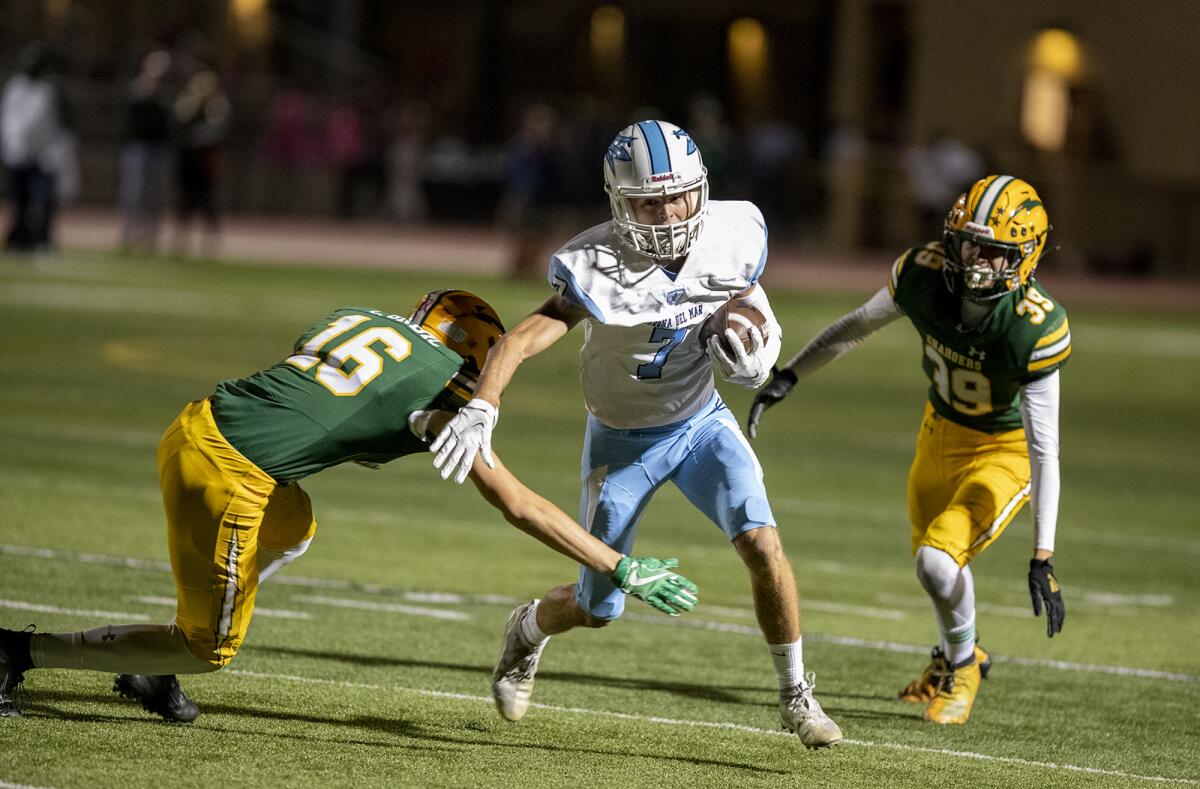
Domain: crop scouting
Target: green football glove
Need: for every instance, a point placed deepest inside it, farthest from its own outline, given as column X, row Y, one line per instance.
column 652, row 581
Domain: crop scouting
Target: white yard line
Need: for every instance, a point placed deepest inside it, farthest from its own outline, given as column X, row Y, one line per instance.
column 723, row 725
column 388, row 608
column 7, row 785
column 21, row 605
column 507, row 600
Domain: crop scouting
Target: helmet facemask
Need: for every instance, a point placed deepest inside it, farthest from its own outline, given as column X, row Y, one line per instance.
column 970, row 267
column 656, row 159
column 661, row 242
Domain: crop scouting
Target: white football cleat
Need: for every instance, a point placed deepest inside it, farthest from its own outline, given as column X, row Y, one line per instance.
column 512, row 681
column 801, row 714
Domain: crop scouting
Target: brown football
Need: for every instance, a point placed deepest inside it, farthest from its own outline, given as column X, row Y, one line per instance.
column 738, row 315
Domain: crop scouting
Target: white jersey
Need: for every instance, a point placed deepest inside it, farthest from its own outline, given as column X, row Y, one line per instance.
column 642, row 364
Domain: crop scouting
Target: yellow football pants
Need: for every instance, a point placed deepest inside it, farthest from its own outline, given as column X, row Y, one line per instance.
column 220, row 508
column 965, row 486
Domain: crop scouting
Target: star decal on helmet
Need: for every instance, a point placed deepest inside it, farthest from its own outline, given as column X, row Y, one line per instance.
column 619, row 150
column 680, row 134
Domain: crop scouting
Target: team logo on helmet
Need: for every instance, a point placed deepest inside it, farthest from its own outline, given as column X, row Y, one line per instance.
column 618, row 149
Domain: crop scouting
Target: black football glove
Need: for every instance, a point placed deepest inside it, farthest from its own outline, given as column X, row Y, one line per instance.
column 1044, row 588
column 780, row 386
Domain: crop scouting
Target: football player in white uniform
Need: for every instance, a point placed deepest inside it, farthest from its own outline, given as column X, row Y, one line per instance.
column 642, row 284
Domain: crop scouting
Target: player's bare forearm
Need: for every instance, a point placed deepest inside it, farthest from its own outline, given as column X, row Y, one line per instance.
column 531, row 336
column 540, row 518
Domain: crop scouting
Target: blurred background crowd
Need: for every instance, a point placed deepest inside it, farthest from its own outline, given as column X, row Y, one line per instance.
column 853, row 124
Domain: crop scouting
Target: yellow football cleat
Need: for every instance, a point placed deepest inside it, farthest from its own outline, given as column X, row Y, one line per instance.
column 955, row 696
column 922, row 689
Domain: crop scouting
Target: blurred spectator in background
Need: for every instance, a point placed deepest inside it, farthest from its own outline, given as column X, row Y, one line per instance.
column 355, row 145
column 292, row 138
column 295, row 146
column 773, row 148
column 532, row 189
column 36, row 145
column 938, row 172
column 346, row 144
column 408, row 135
column 707, row 126
column 202, row 118
column 146, row 154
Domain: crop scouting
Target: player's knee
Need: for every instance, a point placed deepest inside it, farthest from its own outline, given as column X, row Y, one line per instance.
column 760, row 548
column 272, row 560
column 202, row 651
column 594, row 621
column 936, row 570
column 199, row 656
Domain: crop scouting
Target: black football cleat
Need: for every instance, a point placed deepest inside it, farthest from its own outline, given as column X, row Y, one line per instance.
column 160, row 695
column 12, row 674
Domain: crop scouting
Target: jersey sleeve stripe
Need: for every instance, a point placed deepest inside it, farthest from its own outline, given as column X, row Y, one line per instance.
column 1051, row 350
column 1054, row 336
column 1042, row 364
column 762, row 261
column 564, row 282
column 894, row 282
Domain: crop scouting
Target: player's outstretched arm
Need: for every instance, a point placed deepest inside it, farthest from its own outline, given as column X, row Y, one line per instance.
column 833, row 341
column 651, row 580
column 470, row 431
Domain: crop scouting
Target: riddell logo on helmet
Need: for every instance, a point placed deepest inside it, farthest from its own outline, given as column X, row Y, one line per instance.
column 663, row 177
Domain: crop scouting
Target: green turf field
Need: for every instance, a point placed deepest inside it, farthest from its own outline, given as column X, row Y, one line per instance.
column 369, row 660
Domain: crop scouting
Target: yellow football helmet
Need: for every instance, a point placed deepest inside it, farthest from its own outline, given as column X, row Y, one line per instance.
column 1000, row 218
column 465, row 323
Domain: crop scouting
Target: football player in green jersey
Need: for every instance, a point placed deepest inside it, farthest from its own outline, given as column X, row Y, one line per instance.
column 362, row 385
column 992, row 341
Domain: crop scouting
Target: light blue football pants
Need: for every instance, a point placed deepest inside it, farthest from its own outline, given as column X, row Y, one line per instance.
column 707, row 458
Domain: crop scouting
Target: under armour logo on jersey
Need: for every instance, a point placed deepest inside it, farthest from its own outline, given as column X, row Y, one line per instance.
column 676, row 296
column 975, row 353
column 681, row 134
column 619, row 150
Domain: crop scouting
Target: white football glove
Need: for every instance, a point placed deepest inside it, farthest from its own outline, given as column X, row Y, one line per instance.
column 744, row 368
column 468, row 433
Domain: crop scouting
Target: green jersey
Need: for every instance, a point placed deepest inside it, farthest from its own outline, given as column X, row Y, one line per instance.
column 345, row 393
column 976, row 374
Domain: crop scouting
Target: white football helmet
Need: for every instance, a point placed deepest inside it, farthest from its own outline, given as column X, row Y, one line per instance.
column 655, row 159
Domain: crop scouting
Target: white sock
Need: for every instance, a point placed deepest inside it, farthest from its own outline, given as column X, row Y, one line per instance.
column 529, row 630
column 789, row 663
column 124, row 649
column 959, row 643
column 951, row 589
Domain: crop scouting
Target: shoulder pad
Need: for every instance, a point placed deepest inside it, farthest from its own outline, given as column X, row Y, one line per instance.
column 930, row 256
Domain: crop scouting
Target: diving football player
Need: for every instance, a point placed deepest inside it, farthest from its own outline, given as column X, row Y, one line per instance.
column 361, row 385
column 992, row 342
column 643, row 284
